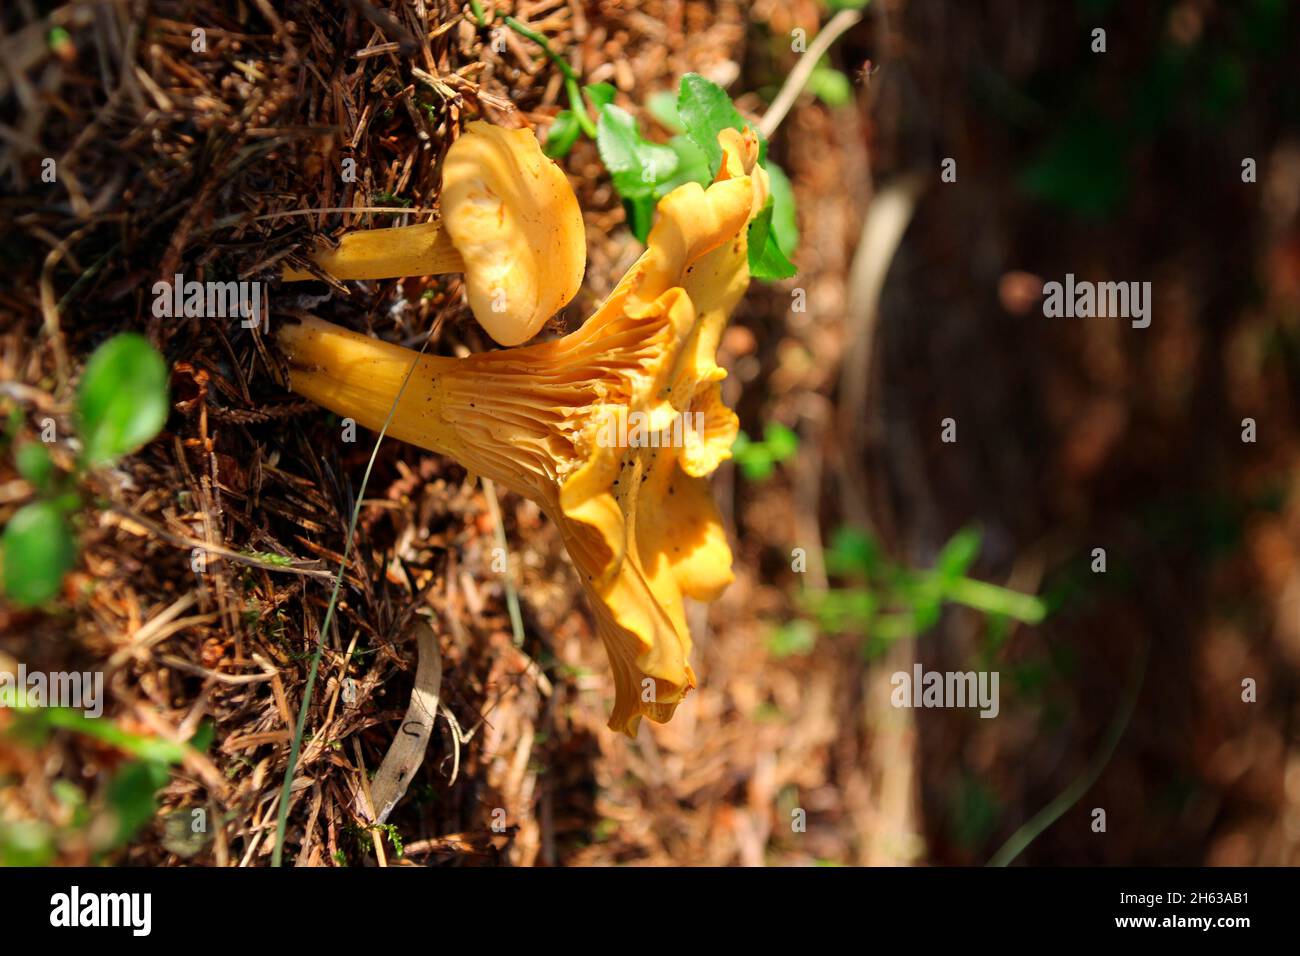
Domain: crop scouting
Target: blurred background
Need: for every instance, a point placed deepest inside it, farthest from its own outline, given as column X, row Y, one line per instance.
column 917, row 300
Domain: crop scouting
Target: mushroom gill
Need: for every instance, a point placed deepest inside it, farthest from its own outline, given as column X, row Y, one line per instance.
column 611, row 429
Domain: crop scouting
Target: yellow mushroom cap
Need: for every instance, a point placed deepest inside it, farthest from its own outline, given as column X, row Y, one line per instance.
column 637, row 518
column 510, row 222
column 512, row 215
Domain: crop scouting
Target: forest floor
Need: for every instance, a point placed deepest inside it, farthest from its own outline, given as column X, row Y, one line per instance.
column 221, row 163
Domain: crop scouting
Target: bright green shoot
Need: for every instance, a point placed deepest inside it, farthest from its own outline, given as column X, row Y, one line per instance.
column 887, row 601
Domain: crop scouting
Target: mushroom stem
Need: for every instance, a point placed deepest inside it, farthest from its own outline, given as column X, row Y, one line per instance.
column 423, row 249
column 360, row 377
column 530, row 419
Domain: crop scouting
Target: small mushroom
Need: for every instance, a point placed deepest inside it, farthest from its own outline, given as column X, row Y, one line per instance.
column 510, row 222
column 637, row 517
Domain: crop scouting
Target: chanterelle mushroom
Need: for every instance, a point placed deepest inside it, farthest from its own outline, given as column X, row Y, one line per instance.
column 549, row 422
column 510, row 222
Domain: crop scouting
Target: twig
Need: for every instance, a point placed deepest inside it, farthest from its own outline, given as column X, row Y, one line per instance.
column 369, row 810
column 886, row 221
column 388, row 25
column 50, row 308
column 216, row 550
column 798, row 78
column 571, row 77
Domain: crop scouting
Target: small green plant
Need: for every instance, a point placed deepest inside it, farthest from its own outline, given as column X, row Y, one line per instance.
column 127, row 802
column 567, row 127
column 887, row 601
column 644, row 171
column 121, row 404
column 362, row 836
column 758, row 459
column 794, row 638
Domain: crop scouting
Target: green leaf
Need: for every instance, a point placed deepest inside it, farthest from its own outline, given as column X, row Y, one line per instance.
column 1083, row 168
column 830, row 85
column 13, row 420
column 780, row 441
column 692, row 166
column 270, row 557
column 26, row 843
column 663, row 107
column 756, row 464
column 753, row 458
column 635, row 165
column 640, row 215
column 991, row 599
column 204, row 736
column 68, row 794
column 131, row 795
column 619, row 143
column 835, row 6
column 766, row 260
column 852, row 552
column 785, row 224
column 391, row 199
column 122, row 399
column 795, row 638
column 38, row 551
column 152, row 749
column 842, row 610
column 639, row 169
column 958, row 554
column 564, row 132
column 34, row 464
column 705, row 109
column 601, row 93
column 926, row 597
column 758, row 459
